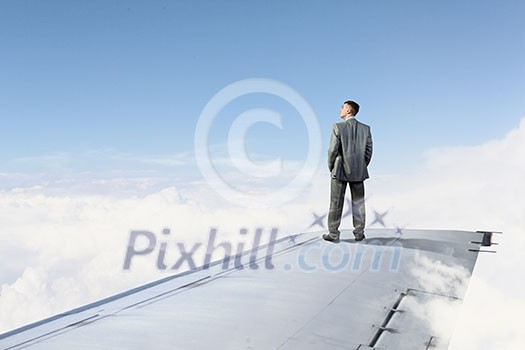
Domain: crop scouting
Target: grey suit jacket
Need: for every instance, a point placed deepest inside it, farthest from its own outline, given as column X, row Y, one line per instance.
column 350, row 151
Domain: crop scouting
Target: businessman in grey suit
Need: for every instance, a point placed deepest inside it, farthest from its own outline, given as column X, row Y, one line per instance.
column 349, row 154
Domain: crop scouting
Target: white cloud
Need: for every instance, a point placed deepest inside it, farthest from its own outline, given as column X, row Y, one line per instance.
column 70, row 246
column 491, row 315
column 437, row 306
column 439, row 277
column 473, row 188
column 77, row 243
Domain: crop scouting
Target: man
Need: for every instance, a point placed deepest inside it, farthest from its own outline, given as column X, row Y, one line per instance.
column 349, row 154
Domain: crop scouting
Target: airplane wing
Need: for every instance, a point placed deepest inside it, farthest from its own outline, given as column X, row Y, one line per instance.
column 297, row 292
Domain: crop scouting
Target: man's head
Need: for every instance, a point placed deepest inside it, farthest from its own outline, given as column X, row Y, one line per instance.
column 349, row 109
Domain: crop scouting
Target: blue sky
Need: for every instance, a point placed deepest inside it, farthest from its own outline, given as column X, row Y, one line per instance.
column 132, row 77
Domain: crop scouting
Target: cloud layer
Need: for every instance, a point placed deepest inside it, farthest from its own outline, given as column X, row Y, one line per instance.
column 61, row 250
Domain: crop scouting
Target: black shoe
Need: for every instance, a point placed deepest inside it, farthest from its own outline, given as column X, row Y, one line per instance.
column 330, row 239
column 359, row 237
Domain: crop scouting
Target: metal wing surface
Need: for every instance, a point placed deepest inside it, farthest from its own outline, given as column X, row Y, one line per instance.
column 296, row 292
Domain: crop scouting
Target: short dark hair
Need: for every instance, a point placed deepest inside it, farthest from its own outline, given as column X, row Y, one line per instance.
column 354, row 105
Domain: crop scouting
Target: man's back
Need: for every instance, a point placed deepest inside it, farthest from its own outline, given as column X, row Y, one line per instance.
column 349, row 153
column 350, row 150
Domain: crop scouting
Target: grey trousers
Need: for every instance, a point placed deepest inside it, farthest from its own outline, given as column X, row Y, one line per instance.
column 337, row 199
